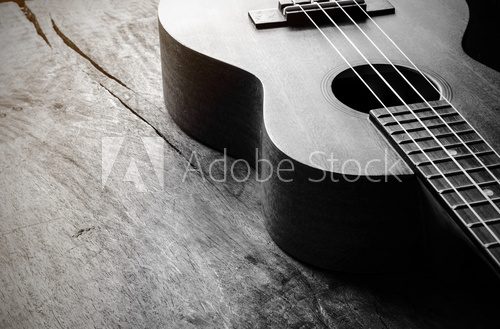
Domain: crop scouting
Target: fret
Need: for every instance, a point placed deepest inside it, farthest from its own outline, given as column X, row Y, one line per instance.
column 428, row 145
column 487, row 185
column 495, row 252
column 458, row 164
column 446, row 167
column 441, row 155
column 459, row 179
column 487, row 222
column 489, row 158
column 415, row 108
column 410, row 126
column 492, row 245
column 444, row 135
column 485, row 236
column 471, row 193
column 430, row 141
column 478, row 204
column 485, row 209
column 494, row 169
column 419, row 157
column 425, row 116
column 476, row 146
column 449, row 167
column 421, row 131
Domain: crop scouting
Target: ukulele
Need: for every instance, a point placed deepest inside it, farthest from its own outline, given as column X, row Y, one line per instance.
column 379, row 133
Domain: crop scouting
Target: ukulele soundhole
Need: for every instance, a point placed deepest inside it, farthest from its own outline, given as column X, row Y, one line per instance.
column 351, row 91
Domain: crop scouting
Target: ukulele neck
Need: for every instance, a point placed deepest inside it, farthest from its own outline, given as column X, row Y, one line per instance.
column 459, row 167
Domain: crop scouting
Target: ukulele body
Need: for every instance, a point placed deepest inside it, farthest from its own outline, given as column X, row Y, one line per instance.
column 234, row 87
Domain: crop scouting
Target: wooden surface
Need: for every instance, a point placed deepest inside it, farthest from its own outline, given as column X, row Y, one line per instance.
column 75, row 254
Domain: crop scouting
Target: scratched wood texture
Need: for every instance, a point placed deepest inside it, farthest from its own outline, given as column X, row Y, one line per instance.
column 187, row 252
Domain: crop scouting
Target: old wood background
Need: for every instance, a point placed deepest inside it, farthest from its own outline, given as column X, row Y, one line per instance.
column 77, row 76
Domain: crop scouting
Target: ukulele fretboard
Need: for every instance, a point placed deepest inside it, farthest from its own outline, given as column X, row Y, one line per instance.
column 452, row 158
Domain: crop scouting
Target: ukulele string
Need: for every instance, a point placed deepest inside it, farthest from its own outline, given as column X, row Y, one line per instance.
column 411, row 138
column 430, row 83
column 419, row 120
column 483, row 165
column 486, row 197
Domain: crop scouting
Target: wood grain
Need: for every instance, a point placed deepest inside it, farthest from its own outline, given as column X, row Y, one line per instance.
column 76, row 255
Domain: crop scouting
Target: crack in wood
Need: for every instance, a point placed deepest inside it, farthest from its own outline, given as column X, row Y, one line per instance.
column 175, row 148
column 68, row 42
column 30, row 16
column 82, row 231
column 198, row 170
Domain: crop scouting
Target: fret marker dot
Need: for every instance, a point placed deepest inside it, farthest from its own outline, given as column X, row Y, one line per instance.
column 488, row 192
column 453, row 152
